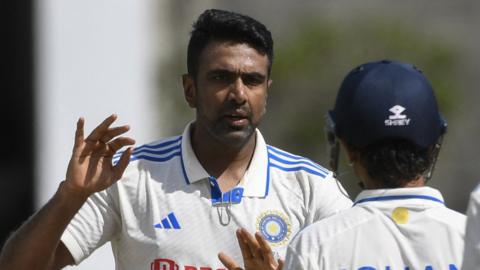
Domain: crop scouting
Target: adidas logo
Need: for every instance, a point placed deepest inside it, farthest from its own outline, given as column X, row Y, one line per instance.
column 170, row 222
column 397, row 119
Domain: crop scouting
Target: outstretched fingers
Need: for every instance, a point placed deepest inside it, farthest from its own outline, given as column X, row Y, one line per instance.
column 99, row 142
column 111, row 133
column 252, row 243
column 122, row 164
column 247, row 253
column 266, row 250
column 118, row 143
column 79, row 134
column 228, row 262
column 101, row 129
column 280, row 264
column 256, row 252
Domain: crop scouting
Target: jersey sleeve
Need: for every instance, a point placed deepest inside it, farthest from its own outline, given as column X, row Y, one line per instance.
column 299, row 257
column 294, row 260
column 327, row 197
column 95, row 223
column 306, row 251
column 471, row 258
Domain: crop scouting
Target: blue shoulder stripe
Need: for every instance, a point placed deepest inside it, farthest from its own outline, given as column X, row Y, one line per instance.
column 299, row 168
column 151, row 148
column 156, row 159
column 152, row 155
column 156, row 152
column 300, row 159
column 163, row 144
column 298, row 162
column 284, row 153
column 399, row 197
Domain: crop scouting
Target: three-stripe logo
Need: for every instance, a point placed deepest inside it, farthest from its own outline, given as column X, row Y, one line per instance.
column 170, row 222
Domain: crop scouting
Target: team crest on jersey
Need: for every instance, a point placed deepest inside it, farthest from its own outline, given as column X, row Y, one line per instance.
column 275, row 227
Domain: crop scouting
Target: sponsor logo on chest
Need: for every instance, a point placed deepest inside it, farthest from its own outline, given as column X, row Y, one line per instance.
column 167, row 264
column 169, row 222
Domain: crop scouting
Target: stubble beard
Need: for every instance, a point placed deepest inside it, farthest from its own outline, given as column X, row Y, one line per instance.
column 231, row 136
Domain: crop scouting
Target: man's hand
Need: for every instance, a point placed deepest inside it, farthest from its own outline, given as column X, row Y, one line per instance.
column 256, row 253
column 90, row 169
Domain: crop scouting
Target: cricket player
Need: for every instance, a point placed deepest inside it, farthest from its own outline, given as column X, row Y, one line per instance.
column 180, row 200
column 471, row 258
column 386, row 118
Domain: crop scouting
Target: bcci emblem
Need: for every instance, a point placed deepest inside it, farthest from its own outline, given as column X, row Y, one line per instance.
column 275, row 227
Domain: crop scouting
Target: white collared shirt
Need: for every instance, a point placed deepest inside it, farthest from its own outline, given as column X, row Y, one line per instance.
column 471, row 259
column 404, row 228
column 168, row 213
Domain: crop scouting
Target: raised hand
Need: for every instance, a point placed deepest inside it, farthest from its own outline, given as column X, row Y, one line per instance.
column 90, row 169
column 256, row 252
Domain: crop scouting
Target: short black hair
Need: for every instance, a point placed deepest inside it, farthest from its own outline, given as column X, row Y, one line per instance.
column 221, row 25
column 392, row 163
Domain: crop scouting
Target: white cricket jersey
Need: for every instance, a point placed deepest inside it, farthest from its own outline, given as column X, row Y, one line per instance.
column 471, row 258
column 168, row 213
column 387, row 229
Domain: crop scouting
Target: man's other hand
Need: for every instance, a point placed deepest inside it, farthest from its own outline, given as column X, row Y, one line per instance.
column 256, row 252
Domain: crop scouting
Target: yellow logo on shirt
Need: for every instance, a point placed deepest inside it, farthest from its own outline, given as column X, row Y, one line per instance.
column 400, row 215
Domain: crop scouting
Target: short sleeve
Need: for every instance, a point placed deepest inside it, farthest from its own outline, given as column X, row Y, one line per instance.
column 471, row 258
column 328, row 197
column 298, row 257
column 306, row 252
column 95, row 223
column 293, row 260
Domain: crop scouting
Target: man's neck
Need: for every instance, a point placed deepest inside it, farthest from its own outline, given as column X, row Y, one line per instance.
column 371, row 184
column 227, row 163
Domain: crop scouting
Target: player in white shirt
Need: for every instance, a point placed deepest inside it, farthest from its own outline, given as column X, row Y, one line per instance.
column 181, row 199
column 471, row 258
column 168, row 210
column 386, row 117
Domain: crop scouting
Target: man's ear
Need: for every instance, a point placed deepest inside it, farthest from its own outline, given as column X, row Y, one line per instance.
column 269, row 83
column 352, row 155
column 189, row 90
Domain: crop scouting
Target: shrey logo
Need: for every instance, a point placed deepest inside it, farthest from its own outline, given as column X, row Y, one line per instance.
column 397, row 119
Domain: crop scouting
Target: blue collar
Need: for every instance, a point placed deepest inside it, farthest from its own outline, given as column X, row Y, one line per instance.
column 426, row 194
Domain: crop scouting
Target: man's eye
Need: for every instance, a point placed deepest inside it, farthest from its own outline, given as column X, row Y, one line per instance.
column 220, row 77
column 252, row 80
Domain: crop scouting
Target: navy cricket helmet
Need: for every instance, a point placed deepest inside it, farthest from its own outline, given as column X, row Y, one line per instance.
column 386, row 99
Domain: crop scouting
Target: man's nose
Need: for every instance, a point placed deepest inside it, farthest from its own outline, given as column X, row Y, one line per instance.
column 238, row 91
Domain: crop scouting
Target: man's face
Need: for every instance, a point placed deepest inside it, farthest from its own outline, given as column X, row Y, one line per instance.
column 230, row 91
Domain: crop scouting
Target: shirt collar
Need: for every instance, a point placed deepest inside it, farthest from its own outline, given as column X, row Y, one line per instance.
column 191, row 166
column 416, row 195
column 255, row 181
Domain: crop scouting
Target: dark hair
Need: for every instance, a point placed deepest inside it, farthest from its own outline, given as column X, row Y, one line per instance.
column 392, row 163
column 214, row 24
